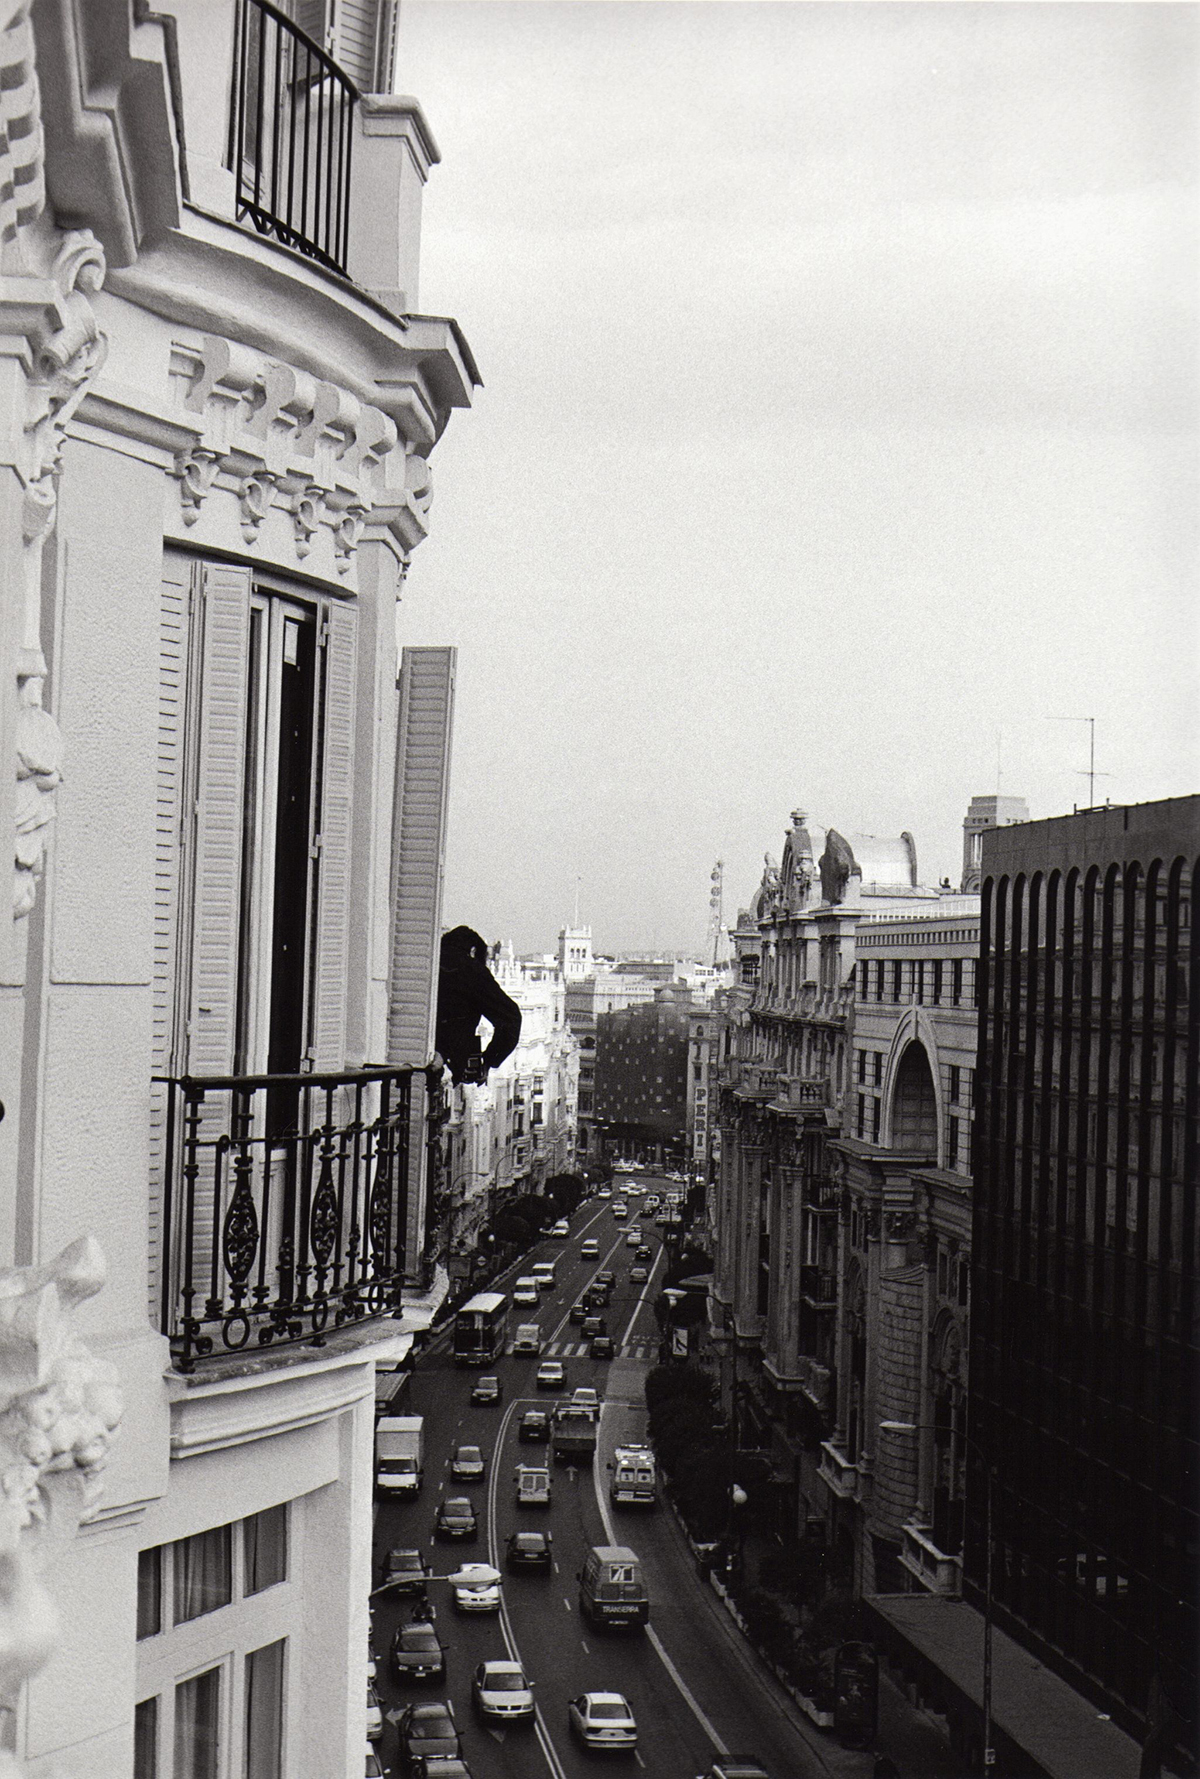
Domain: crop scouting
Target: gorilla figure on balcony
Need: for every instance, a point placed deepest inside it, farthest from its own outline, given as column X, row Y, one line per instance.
column 467, row 993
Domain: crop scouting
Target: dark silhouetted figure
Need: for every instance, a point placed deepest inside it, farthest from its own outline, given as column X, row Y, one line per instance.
column 467, row 993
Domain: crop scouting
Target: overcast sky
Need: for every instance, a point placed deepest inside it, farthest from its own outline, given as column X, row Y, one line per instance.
column 838, row 431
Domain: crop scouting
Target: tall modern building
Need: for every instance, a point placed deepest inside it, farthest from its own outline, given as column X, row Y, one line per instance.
column 1085, row 1340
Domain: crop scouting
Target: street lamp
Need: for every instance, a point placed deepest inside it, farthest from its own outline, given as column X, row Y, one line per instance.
column 989, row 1753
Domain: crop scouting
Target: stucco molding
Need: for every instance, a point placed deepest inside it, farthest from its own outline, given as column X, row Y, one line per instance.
column 60, row 1407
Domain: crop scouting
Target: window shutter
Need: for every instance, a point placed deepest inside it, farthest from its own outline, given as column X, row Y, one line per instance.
column 419, row 848
column 220, row 793
column 357, row 41
column 336, row 731
column 312, row 16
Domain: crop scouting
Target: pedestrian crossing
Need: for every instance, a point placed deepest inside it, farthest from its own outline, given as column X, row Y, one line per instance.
column 579, row 1349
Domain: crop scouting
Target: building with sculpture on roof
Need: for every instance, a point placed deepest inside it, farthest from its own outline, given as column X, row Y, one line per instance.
column 227, row 801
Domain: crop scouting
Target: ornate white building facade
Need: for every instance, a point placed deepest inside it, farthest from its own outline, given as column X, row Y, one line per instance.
column 218, row 405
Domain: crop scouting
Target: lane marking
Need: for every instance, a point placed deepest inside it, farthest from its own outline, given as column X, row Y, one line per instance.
column 641, row 1300
column 655, row 1641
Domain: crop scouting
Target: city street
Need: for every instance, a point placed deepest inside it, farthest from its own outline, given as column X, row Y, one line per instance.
column 692, row 1698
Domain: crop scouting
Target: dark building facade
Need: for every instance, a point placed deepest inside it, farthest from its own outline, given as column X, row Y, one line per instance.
column 1084, row 1356
column 641, row 1092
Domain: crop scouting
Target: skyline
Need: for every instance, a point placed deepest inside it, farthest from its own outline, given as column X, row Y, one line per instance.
column 837, row 433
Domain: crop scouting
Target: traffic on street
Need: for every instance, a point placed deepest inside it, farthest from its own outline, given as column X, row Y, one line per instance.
column 542, row 1591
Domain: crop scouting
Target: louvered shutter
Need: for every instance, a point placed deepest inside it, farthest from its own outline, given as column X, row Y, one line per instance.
column 336, row 728
column 312, row 16
column 418, row 865
column 174, row 609
column 357, row 40
column 419, row 848
column 220, row 797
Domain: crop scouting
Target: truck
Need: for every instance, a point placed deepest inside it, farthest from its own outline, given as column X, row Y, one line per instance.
column 399, row 1450
column 573, row 1434
column 633, row 1481
column 528, row 1338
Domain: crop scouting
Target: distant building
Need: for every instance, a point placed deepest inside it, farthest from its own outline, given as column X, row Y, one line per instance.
column 575, row 953
column 986, row 813
column 641, row 1097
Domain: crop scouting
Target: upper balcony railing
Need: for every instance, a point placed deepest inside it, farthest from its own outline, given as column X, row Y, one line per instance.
column 286, row 1204
column 291, row 130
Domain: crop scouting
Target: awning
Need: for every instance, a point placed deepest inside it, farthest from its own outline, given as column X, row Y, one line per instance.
column 1061, row 1731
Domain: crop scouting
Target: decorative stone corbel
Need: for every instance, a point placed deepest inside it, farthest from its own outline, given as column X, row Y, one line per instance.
column 255, row 496
column 346, row 535
column 306, row 517
column 60, row 1407
column 196, row 470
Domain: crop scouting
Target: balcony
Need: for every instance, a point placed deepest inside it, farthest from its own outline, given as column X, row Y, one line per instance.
column 837, row 1471
column 816, row 1381
column 286, row 1205
column 822, row 1194
column 818, row 1287
column 291, row 131
column 935, row 1571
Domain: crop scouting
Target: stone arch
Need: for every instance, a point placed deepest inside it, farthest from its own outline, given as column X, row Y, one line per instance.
column 913, row 1102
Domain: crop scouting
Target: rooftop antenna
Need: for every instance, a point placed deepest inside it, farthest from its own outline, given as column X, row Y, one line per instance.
column 577, row 904
column 1091, row 774
column 715, row 903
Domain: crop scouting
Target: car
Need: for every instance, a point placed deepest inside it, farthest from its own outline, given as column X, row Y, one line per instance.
column 550, row 1375
column 487, row 1389
column 590, row 1249
column 585, row 1397
column 606, row 1276
column 601, row 1347
column 468, row 1464
column 476, row 1596
column 528, row 1338
column 604, row 1192
column 561, row 1228
column 734, row 1766
column 602, row 1720
column 651, row 1202
column 619, row 1208
column 439, row 1766
column 638, row 1275
column 525, row 1291
column 427, row 1729
column 500, row 1690
column 645, row 1252
column 405, row 1572
column 374, row 1716
column 532, row 1485
column 534, row 1427
column 663, row 1218
column 374, row 1768
column 456, row 1519
column 527, row 1550
column 633, row 1237
column 579, row 1311
column 371, row 1668
column 417, row 1653
column 592, row 1325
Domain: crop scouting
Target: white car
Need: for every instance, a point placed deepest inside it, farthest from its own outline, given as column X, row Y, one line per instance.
column 501, row 1690
column 373, row 1769
column 468, row 1464
column 525, row 1291
column 633, row 1236
column 585, row 1397
column 374, row 1716
column 619, row 1208
column 561, row 1228
column 477, row 1596
column 604, row 1192
column 590, row 1249
column 550, row 1374
column 602, row 1720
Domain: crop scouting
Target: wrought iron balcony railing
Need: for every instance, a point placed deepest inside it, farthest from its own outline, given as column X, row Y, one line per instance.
column 291, row 132
column 286, row 1204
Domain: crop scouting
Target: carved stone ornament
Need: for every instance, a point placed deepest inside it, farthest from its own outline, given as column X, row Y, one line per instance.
column 60, row 1407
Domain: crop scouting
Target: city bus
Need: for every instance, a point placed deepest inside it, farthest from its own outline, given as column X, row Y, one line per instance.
column 481, row 1329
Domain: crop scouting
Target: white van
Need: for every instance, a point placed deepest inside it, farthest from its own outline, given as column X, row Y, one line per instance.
column 525, row 1291
column 528, row 1338
column 543, row 1272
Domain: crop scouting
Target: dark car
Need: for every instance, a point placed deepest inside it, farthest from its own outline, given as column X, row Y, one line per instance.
column 487, row 1389
column 644, row 1253
column 601, row 1347
column 534, row 1426
column 593, row 1326
column 456, row 1519
column 528, row 1550
column 417, row 1654
column 638, row 1275
column 427, row 1729
column 405, row 1571
column 579, row 1311
column 606, row 1277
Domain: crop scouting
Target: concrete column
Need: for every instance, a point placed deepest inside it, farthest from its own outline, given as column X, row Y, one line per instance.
column 394, row 150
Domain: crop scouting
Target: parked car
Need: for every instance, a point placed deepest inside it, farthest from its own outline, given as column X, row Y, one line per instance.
column 550, row 1375
column 476, row 1596
column 374, row 1768
column 638, row 1275
column 456, row 1519
column 427, row 1729
column 374, row 1716
column 487, row 1389
column 602, row 1720
column 417, row 1653
column 534, row 1427
column 406, row 1571
column 528, row 1550
column 601, row 1347
column 467, row 1464
column 501, row 1691
column 590, row 1248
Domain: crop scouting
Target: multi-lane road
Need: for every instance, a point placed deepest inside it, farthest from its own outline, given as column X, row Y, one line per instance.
column 695, row 1692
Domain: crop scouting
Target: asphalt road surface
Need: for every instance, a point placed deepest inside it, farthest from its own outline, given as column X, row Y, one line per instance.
column 694, row 1691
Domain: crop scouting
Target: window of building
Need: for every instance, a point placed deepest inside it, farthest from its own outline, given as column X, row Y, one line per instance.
column 956, row 982
column 897, row 980
column 149, row 1601
column 955, row 1078
column 203, row 1573
column 862, row 1115
column 145, row 1739
column 879, row 980
column 264, row 1548
column 879, row 1068
column 264, row 1712
column 862, row 1065
column 937, row 981
column 863, row 972
column 919, row 980
column 952, row 1143
column 198, row 1726
column 875, row 1115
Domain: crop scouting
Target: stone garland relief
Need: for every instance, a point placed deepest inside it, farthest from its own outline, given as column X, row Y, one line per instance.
column 280, row 438
column 60, row 1407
